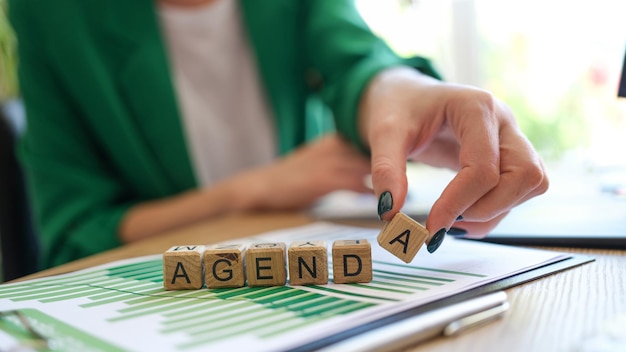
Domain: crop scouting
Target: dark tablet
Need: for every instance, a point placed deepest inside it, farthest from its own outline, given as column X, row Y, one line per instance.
column 592, row 218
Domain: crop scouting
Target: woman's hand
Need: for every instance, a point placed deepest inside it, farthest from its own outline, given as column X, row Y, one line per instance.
column 302, row 177
column 406, row 115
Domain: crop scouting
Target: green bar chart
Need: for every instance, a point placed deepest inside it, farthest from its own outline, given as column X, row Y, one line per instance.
column 207, row 316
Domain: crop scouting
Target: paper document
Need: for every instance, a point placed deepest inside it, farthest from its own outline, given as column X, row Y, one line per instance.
column 123, row 306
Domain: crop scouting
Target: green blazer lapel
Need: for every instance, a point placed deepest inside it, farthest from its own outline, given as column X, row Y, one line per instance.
column 145, row 83
column 272, row 28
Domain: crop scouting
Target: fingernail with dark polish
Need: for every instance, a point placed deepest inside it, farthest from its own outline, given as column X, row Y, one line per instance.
column 457, row 232
column 459, row 218
column 435, row 242
column 385, row 203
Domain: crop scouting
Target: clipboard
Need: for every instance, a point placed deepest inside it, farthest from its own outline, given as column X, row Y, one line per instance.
column 519, row 279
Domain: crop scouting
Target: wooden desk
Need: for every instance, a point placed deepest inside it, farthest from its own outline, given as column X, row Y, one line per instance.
column 556, row 313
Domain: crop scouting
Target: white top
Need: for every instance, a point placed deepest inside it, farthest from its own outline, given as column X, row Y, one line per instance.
column 225, row 116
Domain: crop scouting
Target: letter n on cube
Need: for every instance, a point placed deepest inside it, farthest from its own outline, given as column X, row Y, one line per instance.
column 308, row 263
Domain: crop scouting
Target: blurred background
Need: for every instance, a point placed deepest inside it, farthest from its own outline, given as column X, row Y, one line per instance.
column 8, row 81
column 555, row 63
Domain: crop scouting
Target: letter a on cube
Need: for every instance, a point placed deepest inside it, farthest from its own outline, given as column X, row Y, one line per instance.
column 352, row 261
column 182, row 268
column 224, row 265
column 403, row 237
column 266, row 264
column 308, row 263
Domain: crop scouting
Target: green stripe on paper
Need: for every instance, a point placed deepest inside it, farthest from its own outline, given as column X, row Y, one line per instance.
column 218, row 333
column 162, row 307
column 48, row 295
column 64, row 336
column 356, row 306
column 327, row 289
column 411, row 281
column 414, row 276
column 285, row 297
column 238, row 324
column 195, row 310
column 124, row 297
column 430, row 269
column 208, row 310
column 302, row 306
column 385, row 287
column 77, row 294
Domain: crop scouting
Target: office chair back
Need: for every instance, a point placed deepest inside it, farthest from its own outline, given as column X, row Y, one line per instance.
column 18, row 244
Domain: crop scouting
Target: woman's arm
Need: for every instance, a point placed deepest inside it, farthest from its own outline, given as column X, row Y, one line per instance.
column 292, row 182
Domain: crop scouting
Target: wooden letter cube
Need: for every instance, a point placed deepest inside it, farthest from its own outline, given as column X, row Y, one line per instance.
column 403, row 237
column 224, row 265
column 266, row 265
column 182, row 268
column 308, row 263
column 352, row 261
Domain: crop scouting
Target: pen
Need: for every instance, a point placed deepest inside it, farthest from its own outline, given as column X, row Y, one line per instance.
column 447, row 321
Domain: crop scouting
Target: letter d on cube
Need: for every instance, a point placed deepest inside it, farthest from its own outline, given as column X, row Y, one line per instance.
column 352, row 261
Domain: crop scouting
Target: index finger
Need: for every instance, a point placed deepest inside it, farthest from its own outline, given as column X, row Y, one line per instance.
column 389, row 152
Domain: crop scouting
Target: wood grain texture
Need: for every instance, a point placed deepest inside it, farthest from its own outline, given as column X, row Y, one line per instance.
column 352, row 261
column 224, row 265
column 560, row 312
column 308, row 263
column 266, row 264
column 182, row 268
column 403, row 237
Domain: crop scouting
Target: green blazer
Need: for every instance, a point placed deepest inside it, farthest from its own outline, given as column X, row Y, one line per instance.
column 103, row 125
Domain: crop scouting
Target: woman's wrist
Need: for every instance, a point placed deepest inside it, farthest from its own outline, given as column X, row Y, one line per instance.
column 243, row 192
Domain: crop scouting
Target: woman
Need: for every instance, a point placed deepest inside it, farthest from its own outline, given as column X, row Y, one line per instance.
column 145, row 116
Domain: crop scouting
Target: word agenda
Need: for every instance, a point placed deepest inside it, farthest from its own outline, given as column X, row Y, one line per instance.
column 265, row 264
